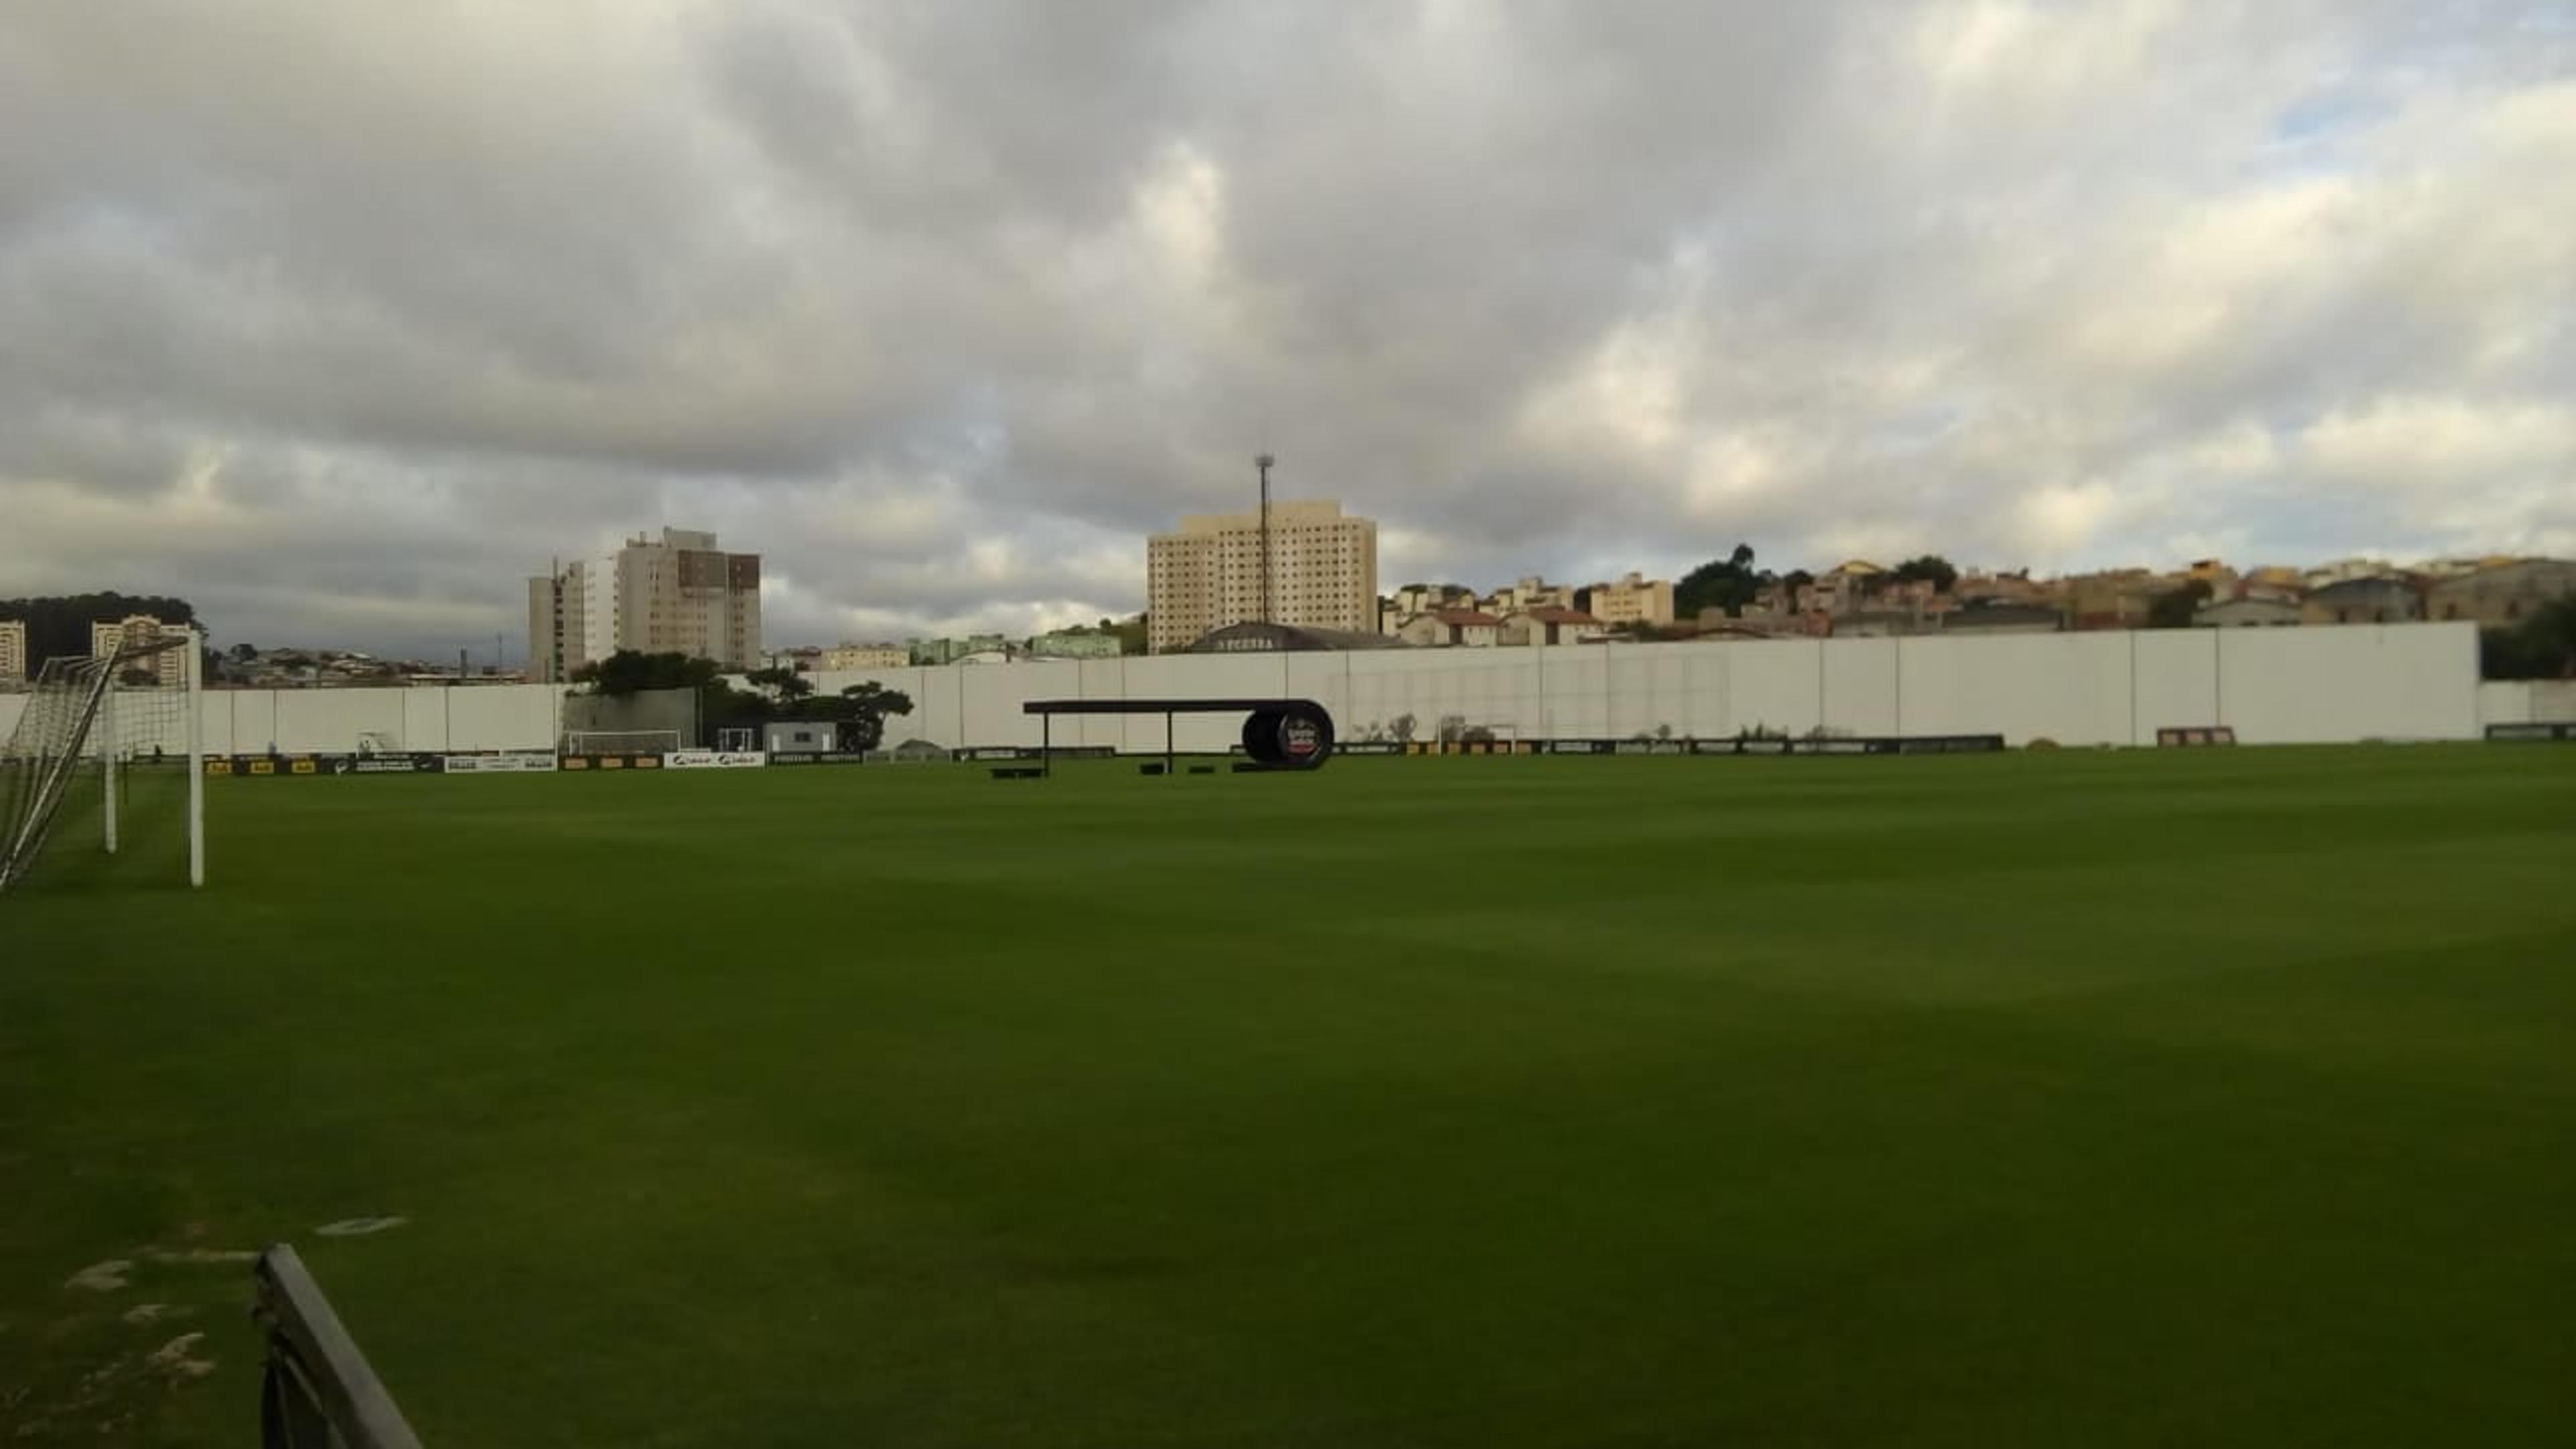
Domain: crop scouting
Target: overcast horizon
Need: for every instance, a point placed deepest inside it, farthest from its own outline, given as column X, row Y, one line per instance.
column 341, row 321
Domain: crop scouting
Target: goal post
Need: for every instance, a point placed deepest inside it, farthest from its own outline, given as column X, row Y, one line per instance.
column 622, row 742
column 132, row 716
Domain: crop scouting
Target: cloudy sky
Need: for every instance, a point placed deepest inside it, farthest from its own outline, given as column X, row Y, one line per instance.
column 340, row 319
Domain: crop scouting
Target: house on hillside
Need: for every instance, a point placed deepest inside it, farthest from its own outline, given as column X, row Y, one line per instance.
column 1552, row 625
column 2003, row 619
column 2384, row 599
column 2503, row 594
column 1452, row 628
column 2249, row 612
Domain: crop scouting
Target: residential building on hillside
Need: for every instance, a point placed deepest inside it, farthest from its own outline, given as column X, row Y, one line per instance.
column 2347, row 570
column 2504, row 594
column 1549, row 624
column 2003, row 618
column 844, row 658
column 676, row 594
column 1529, row 593
column 2382, row 600
column 139, row 632
column 1714, row 623
column 2115, row 598
column 1452, row 628
column 13, row 652
column 2248, row 612
column 1631, row 600
column 1321, row 570
column 950, row 651
column 1076, row 644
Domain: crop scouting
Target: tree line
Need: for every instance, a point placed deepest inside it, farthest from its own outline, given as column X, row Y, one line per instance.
column 857, row 714
column 58, row 625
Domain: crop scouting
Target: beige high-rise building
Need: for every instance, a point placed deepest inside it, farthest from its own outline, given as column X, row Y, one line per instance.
column 1207, row 573
column 1633, row 600
column 678, row 594
column 13, row 652
column 142, row 631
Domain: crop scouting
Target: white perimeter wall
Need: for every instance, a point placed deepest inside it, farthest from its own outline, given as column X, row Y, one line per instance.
column 330, row 721
column 2273, row 686
column 2547, row 701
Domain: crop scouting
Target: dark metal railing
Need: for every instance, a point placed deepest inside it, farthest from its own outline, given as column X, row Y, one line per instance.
column 317, row 1391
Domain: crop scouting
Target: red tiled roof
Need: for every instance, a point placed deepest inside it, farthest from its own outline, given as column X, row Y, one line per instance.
column 1464, row 618
column 1551, row 614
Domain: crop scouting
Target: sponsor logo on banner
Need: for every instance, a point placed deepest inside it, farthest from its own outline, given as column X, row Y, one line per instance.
column 647, row 762
column 301, row 765
column 512, row 763
column 612, row 762
column 384, row 765
column 576, row 762
column 219, row 767
column 263, row 767
column 715, row 759
column 820, row 757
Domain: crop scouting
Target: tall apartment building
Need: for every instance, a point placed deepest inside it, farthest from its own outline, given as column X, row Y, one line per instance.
column 1633, row 600
column 1208, row 573
column 676, row 594
column 142, row 631
column 13, row 652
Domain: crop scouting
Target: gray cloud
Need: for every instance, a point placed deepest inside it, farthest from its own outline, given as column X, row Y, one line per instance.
column 340, row 322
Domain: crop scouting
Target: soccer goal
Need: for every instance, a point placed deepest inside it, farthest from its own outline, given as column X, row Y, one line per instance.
column 105, row 758
column 621, row 742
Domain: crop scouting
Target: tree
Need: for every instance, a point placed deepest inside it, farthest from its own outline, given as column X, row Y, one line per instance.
column 245, row 653
column 58, row 625
column 1929, row 566
column 1729, row 584
column 864, row 708
column 1131, row 634
column 628, row 671
column 785, row 686
column 1402, row 727
column 2174, row 608
column 2541, row 647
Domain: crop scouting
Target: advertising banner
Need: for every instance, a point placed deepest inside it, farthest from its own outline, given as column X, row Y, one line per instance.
column 386, row 765
column 820, row 757
column 715, row 759
column 515, row 762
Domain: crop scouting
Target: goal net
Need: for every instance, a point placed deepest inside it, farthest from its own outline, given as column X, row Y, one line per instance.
column 621, row 742
column 99, row 780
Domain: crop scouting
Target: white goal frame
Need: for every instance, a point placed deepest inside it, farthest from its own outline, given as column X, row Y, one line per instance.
column 94, row 730
column 621, row 742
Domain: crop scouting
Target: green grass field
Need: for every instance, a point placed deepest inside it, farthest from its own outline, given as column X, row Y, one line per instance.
column 2082, row 1099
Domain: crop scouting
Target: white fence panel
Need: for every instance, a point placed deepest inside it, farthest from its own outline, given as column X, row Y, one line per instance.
column 2349, row 682
column 1860, row 686
column 2175, row 680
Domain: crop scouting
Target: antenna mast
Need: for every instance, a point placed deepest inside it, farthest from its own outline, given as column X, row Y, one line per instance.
column 1269, row 599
